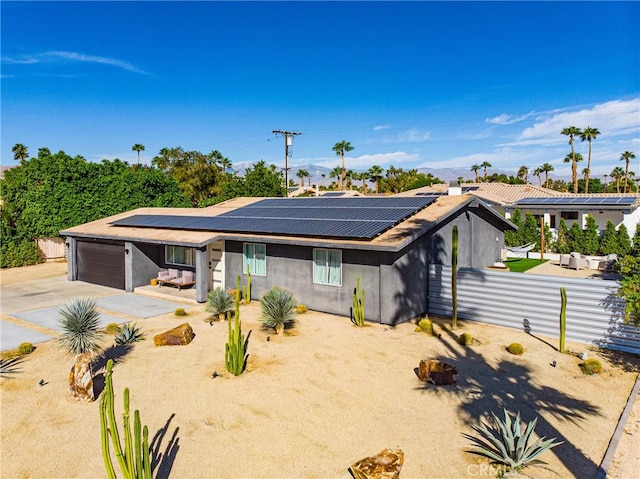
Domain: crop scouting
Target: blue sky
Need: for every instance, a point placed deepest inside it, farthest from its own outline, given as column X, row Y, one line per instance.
column 409, row 84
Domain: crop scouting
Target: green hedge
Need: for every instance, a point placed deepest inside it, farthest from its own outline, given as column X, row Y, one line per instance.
column 15, row 254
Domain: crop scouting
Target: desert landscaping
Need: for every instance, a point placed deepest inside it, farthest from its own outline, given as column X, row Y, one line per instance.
column 316, row 400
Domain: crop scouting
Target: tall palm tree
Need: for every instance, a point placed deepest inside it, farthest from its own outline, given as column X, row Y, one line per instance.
column 588, row 134
column 485, row 165
column 585, row 174
column 225, row 163
column 523, row 173
column 138, row 147
column 375, row 174
column 605, row 182
column 538, row 172
column 617, row 174
column 627, row 156
column 323, row 177
column 363, row 176
column 475, row 169
column 546, row 168
column 572, row 132
column 573, row 158
column 20, row 152
column 340, row 148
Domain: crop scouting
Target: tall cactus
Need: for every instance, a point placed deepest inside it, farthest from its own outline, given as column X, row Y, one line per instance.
column 358, row 304
column 454, row 276
column 237, row 298
column 134, row 460
column 247, row 296
column 235, row 358
column 563, row 317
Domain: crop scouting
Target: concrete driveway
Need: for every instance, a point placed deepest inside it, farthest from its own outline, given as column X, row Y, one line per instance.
column 30, row 308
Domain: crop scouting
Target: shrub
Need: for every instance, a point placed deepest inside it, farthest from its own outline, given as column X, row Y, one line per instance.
column 219, row 302
column 25, row 348
column 465, row 339
column 278, row 309
column 16, row 254
column 507, row 445
column 425, row 325
column 80, row 323
column 591, row 366
column 180, row 312
column 301, row 309
column 130, row 333
column 515, row 348
column 112, row 328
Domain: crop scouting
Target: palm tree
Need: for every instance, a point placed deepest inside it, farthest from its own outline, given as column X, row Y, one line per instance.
column 375, row 174
column 605, row 182
column 225, row 163
column 336, row 173
column 302, row 174
column 617, row 173
column 475, row 169
column 627, row 156
column 585, row 174
column 538, row 172
column 485, row 165
column 138, row 147
column 546, row 168
column 323, row 177
column 340, row 149
column 588, row 134
column 350, row 178
column 573, row 158
column 523, row 173
column 363, row 176
column 572, row 132
column 20, row 152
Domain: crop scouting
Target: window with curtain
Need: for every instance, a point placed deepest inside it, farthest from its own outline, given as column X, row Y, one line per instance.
column 179, row 255
column 327, row 266
column 255, row 259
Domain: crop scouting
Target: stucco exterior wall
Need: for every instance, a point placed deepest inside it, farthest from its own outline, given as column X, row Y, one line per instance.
column 146, row 260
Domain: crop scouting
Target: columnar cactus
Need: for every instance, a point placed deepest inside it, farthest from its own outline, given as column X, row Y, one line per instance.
column 563, row 317
column 358, row 305
column 234, row 351
column 134, row 460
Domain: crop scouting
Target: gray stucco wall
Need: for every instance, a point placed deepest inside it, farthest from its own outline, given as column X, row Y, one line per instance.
column 146, row 262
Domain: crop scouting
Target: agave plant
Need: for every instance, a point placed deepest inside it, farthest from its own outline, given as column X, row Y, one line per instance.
column 129, row 333
column 80, row 323
column 278, row 309
column 507, row 444
column 219, row 302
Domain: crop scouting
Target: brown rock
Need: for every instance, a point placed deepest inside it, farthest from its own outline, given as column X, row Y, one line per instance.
column 81, row 378
column 177, row 336
column 436, row 372
column 384, row 465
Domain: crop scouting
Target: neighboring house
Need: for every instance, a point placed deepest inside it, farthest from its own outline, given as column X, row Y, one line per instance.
column 314, row 247
column 552, row 205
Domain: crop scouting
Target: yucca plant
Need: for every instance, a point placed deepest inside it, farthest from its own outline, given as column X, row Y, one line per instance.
column 219, row 302
column 278, row 309
column 507, row 444
column 80, row 323
column 129, row 333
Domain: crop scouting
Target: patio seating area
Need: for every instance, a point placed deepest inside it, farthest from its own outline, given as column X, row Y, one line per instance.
column 175, row 277
column 579, row 261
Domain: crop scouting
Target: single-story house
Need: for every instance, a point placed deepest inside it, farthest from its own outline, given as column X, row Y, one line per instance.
column 315, row 247
column 620, row 208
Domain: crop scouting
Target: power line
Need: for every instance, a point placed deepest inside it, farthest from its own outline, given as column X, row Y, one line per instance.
column 288, row 141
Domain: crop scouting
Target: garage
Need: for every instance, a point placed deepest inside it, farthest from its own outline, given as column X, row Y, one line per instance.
column 101, row 263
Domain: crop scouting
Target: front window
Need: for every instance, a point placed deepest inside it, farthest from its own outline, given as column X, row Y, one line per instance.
column 255, row 259
column 327, row 266
column 179, row 255
column 569, row 215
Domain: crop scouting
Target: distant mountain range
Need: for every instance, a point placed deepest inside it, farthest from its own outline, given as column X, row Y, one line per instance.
column 445, row 174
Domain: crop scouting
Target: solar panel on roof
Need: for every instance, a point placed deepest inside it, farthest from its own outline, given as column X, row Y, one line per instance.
column 354, row 218
column 333, row 193
column 580, row 201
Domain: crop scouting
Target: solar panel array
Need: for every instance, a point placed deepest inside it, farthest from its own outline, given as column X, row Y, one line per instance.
column 349, row 218
column 575, row 201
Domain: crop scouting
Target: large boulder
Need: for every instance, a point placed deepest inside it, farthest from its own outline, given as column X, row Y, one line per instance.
column 178, row 336
column 81, row 378
column 436, row 372
column 384, row 465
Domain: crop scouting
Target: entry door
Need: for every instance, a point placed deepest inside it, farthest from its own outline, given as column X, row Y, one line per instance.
column 216, row 264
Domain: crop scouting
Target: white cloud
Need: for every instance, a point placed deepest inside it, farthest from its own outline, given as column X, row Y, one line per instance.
column 619, row 117
column 56, row 56
column 414, row 135
column 381, row 127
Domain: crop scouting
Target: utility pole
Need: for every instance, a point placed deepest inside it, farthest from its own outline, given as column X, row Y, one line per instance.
column 288, row 141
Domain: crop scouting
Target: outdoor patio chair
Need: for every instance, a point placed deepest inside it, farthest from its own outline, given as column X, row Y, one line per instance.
column 167, row 275
column 577, row 263
column 564, row 260
column 185, row 280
